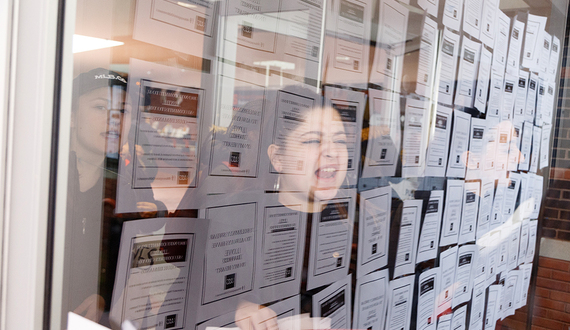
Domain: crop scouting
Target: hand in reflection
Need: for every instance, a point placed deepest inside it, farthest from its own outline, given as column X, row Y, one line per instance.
column 261, row 317
column 147, row 209
column 91, row 308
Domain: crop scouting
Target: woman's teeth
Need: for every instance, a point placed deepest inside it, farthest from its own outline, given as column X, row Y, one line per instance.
column 326, row 173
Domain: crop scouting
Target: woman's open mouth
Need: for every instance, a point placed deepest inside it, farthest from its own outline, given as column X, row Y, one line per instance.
column 326, row 172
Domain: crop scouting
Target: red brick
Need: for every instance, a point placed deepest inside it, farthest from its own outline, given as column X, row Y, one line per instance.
column 560, row 296
column 510, row 323
column 567, row 308
column 559, row 316
column 549, row 324
column 540, row 312
column 549, row 304
column 561, row 276
column 551, row 284
column 554, row 264
column 544, row 272
column 542, row 292
column 535, row 327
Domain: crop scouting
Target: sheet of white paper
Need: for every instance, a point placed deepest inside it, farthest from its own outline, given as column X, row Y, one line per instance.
column 279, row 255
column 452, row 212
column 447, row 287
column 530, row 108
column 533, row 41
column 523, row 242
column 489, row 22
column 346, row 42
column 514, row 146
column 536, row 142
column 498, row 204
column 514, row 243
column 502, row 151
column 459, row 144
column 515, row 45
column 429, row 237
column 511, row 194
column 470, row 211
column 428, row 51
column 466, row 258
column 408, row 237
column 525, row 283
column 159, row 260
column 526, row 144
column 78, row 322
column 430, row 6
column 490, row 314
column 444, row 322
column 400, row 303
column 427, row 299
column 492, row 239
column 472, row 17
column 230, row 262
column 371, row 301
column 495, row 97
column 490, row 149
column 477, row 147
column 548, row 103
column 542, row 86
column 500, row 50
column 170, row 137
column 532, row 226
column 384, row 135
column 333, row 304
column 537, row 196
column 415, row 138
column 373, row 230
column 477, row 304
column 483, row 79
column 521, row 95
column 544, row 146
column 509, row 96
column 468, row 65
column 331, row 238
column 543, row 62
column 459, row 321
column 350, row 106
column 438, row 146
column 390, row 45
column 509, row 291
column 452, row 14
column 447, row 62
column 485, row 206
column 554, row 57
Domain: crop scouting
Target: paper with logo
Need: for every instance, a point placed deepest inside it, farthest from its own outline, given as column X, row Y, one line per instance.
column 459, row 319
column 438, row 146
column 373, row 230
column 400, row 303
column 514, row 146
column 429, row 236
column 350, row 106
column 447, row 263
column 544, row 59
column 509, row 96
column 408, row 237
column 526, row 145
column 346, row 43
column 282, row 245
column 477, row 147
column 472, row 17
column 493, row 298
column 533, row 41
column 530, row 108
column 333, row 304
column 490, row 149
column 390, row 45
column 230, row 252
column 523, row 242
column 447, row 62
column 495, row 97
column 536, row 143
column 430, row 6
column 371, row 301
column 489, row 22
column 509, row 292
column 456, row 164
column 331, row 239
column 483, row 80
column 470, row 211
column 427, row 299
column 485, row 206
column 532, row 226
column 385, row 134
column 537, row 195
column 502, row 151
column 520, row 101
column 467, row 73
column 159, row 261
column 444, row 322
column 452, row 212
column 477, row 304
column 498, row 203
column 511, row 193
column 415, row 138
column 466, row 258
column 452, row 14
column 554, row 58
column 428, row 51
column 501, row 48
column 164, row 137
column 515, row 46
column 164, row 23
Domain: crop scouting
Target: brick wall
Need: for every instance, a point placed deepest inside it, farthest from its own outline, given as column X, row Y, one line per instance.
column 551, row 308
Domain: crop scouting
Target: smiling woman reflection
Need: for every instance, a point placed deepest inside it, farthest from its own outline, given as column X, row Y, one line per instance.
column 321, row 138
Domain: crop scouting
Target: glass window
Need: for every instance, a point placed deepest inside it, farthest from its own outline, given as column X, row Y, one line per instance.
column 301, row 164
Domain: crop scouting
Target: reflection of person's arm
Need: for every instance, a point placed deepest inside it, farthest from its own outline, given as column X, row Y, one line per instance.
column 91, row 308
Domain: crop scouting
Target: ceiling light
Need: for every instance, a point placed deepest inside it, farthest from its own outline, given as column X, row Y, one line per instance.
column 85, row 43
